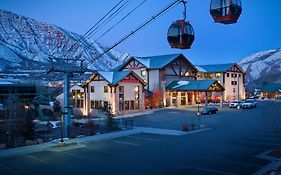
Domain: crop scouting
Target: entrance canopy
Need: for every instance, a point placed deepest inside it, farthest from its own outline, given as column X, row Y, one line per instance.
column 195, row 85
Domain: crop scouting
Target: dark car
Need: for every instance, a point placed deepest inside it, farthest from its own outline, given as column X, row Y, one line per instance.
column 209, row 110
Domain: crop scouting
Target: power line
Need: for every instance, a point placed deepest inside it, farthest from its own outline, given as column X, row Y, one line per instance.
column 90, row 30
column 121, row 20
column 113, row 15
column 136, row 30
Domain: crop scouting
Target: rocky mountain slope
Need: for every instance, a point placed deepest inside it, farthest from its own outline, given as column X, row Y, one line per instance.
column 262, row 67
column 27, row 44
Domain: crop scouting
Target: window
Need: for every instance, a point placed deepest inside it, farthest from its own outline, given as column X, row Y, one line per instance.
column 210, row 75
column 121, row 89
column 105, row 89
column 233, row 82
column 227, row 74
column 132, row 105
column 232, row 75
column 121, row 96
column 137, row 96
column 143, row 73
column 187, row 74
column 92, row 104
column 137, row 104
column 218, row 75
column 92, row 89
column 137, row 89
column 126, row 105
column 121, row 105
column 239, row 75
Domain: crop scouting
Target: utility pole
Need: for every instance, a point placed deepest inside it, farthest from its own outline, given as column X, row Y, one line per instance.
column 68, row 67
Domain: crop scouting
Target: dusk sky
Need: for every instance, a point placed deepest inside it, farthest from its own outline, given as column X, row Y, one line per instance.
column 258, row 29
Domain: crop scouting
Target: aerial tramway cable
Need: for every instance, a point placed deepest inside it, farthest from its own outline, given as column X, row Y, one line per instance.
column 136, row 30
column 128, row 14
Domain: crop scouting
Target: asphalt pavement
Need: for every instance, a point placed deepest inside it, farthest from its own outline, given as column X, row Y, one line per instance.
column 231, row 147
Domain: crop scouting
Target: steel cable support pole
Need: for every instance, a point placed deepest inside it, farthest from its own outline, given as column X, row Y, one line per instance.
column 67, row 106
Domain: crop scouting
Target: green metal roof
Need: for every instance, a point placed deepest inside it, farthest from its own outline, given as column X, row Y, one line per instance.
column 271, row 87
column 215, row 67
column 190, row 85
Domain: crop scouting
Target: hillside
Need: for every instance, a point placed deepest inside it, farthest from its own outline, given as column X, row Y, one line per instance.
column 262, row 67
column 26, row 44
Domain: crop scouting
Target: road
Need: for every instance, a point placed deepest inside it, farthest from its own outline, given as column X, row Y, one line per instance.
column 229, row 148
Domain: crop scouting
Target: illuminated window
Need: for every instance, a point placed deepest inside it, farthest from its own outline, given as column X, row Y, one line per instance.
column 143, row 73
column 210, row 75
column 186, row 74
column 137, row 89
column 218, row 75
column 219, row 81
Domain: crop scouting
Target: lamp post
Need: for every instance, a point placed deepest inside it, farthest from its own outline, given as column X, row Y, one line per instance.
column 198, row 108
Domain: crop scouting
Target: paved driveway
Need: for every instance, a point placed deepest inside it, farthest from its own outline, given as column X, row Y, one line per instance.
column 173, row 118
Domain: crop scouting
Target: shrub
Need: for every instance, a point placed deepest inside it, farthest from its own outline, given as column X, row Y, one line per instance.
column 192, row 125
column 185, row 127
column 91, row 126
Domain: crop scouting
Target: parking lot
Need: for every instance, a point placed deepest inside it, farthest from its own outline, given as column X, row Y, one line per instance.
column 231, row 147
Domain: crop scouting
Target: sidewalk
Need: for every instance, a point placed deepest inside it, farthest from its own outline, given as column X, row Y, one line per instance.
column 137, row 130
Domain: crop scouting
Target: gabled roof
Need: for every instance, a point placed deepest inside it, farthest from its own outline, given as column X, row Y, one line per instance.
column 271, row 87
column 113, row 77
column 154, row 62
column 157, row 62
column 192, row 85
column 216, row 67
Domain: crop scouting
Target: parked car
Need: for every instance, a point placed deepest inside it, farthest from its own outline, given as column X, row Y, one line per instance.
column 249, row 103
column 209, row 110
column 235, row 104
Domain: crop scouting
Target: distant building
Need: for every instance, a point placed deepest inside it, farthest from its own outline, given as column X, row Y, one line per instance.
column 230, row 76
column 77, row 95
column 25, row 92
column 271, row 91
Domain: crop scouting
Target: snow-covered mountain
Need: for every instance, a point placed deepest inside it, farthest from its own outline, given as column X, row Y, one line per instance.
column 26, row 44
column 262, row 67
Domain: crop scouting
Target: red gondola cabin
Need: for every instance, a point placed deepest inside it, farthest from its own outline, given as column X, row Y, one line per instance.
column 226, row 11
column 180, row 35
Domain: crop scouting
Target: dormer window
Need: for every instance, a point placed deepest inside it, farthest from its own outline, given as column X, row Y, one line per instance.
column 143, row 73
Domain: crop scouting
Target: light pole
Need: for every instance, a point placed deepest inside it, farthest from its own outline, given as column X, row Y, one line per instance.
column 198, row 108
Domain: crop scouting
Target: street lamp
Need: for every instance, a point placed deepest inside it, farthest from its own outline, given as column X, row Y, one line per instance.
column 198, row 108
